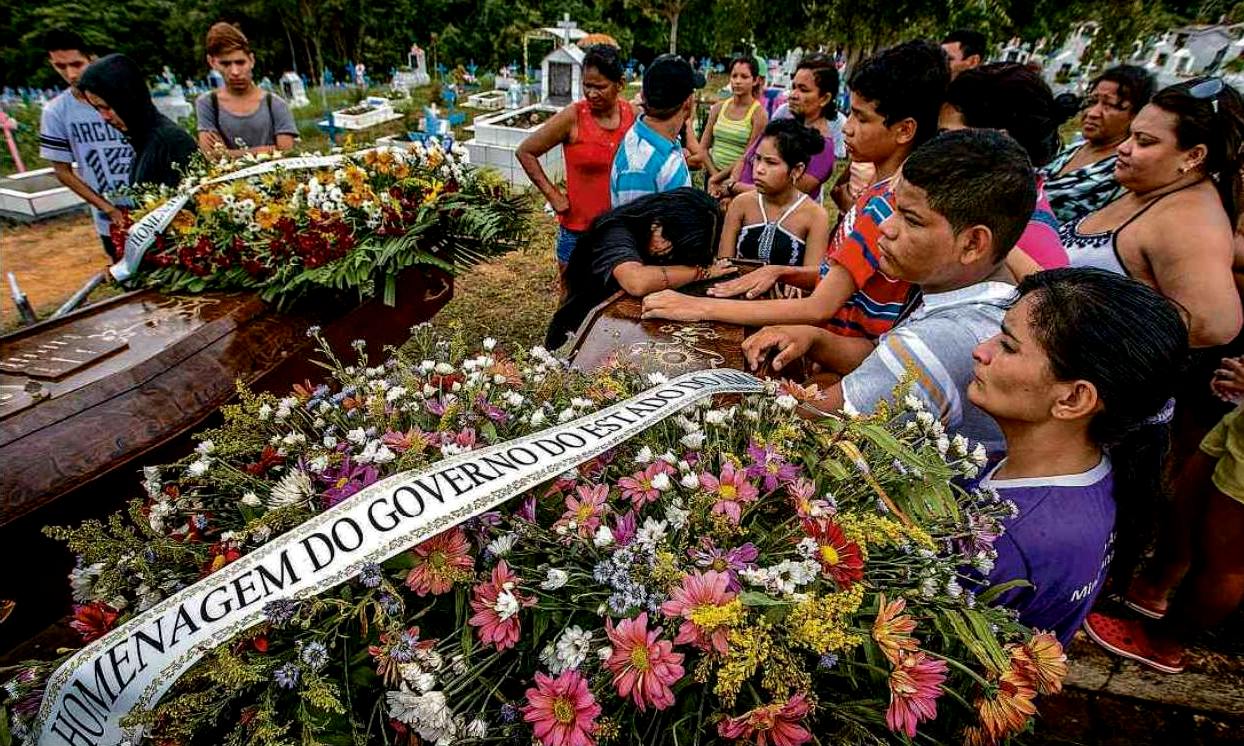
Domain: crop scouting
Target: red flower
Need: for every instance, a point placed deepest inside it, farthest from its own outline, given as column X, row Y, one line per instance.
column 562, row 711
column 496, row 604
column 440, row 562
column 93, row 620
column 915, row 685
column 644, row 668
column 776, row 724
column 840, row 558
column 268, row 458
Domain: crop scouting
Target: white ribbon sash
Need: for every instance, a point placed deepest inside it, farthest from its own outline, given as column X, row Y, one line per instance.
column 144, row 231
column 134, row 665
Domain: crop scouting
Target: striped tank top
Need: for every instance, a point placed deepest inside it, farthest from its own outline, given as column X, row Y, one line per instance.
column 730, row 136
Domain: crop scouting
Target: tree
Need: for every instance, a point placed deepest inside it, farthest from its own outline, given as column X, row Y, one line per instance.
column 668, row 10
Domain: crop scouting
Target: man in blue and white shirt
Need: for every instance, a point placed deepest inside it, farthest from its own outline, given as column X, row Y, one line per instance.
column 71, row 130
column 650, row 158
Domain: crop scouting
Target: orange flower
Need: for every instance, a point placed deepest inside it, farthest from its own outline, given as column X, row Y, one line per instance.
column 1042, row 661
column 1008, row 710
column 183, row 221
column 267, row 216
column 208, row 201
column 892, row 629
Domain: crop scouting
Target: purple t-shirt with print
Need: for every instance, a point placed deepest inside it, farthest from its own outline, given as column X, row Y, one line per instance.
column 1060, row 542
column 821, row 167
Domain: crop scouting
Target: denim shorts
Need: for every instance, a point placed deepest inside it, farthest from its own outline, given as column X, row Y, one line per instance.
column 566, row 241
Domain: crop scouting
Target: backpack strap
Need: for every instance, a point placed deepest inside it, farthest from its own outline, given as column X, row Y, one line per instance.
column 216, row 117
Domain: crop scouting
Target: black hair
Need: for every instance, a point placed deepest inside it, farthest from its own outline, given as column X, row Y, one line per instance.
column 976, row 177
column 1131, row 343
column 795, row 143
column 905, row 81
column 606, row 60
column 744, row 60
column 689, row 218
column 969, row 41
column 60, row 40
column 1216, row 122
column 1008, row 96
column 1136, row 84
column 825, row 75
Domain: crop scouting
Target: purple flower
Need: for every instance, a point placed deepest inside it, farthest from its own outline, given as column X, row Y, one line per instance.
column 391, row 604
column 624, row 527
column 728, row 561
column 528, row 510
column 280, row 612
column 491, row 411
column 370, row 575
column 345, row 480
column 287, row 676
column 771, row 465
column 435, row 406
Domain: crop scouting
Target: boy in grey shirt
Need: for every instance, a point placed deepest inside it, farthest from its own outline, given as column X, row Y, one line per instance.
column 71, row 130
column 240, row 117
column 961, row 202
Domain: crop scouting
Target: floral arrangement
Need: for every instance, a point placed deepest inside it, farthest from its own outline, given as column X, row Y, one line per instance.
column 285, row 232
column 733, row 574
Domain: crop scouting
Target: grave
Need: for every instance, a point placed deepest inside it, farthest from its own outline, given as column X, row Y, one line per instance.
column 370, row 112
column 498, row 136
column 561, row 76
column 293, row 90
column 487, row 100
column 35, row 195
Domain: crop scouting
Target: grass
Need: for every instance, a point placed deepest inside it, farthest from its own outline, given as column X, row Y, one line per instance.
column 511, row 299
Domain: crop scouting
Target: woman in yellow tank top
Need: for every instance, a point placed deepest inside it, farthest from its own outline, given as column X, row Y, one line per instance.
column 735, row 123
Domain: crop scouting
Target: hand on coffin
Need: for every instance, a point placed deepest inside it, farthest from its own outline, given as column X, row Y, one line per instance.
column 751, row 285
column 672, row 305
column 785, row 343
column 1228, row 381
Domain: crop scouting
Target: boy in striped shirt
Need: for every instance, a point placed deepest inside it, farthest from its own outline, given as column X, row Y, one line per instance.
column 650, row 158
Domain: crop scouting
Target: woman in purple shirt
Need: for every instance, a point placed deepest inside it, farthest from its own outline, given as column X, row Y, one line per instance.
column 1083, row 359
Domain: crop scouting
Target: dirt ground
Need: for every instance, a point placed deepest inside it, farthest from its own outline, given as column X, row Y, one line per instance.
column 50, row 260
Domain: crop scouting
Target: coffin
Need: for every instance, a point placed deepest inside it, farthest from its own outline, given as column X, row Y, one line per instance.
column 88, row 398
column 613, row 331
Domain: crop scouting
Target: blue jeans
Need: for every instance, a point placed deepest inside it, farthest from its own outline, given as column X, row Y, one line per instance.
column 566, row 241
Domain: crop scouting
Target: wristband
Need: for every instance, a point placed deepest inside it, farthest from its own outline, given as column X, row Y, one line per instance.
column 665, row 274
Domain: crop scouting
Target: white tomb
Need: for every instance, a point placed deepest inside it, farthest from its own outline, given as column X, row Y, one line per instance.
column 561, row 76
column 293, row 91
column 35, row 195
column 497, row 137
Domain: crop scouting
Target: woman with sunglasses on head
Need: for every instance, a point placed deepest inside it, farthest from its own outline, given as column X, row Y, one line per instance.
column 1173, row 228
column 1080, row 179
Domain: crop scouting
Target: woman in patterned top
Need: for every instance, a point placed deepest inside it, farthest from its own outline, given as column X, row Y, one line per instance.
column 1081, row 179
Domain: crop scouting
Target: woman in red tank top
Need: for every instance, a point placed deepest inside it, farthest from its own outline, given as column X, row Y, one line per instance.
column 589, row 132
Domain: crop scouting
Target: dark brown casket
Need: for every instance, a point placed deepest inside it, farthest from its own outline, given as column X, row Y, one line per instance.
column 614, row 331
column 84, row 397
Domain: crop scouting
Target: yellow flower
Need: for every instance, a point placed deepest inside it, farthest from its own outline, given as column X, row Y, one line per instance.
column 435, row 191
column 820, row 622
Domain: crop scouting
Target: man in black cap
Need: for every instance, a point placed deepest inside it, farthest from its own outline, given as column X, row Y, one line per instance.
column 650, row 158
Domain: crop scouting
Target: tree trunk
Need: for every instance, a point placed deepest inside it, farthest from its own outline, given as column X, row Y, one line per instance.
column 674, row 32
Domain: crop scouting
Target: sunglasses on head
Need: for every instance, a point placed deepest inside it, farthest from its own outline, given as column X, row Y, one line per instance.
column 1210, row 88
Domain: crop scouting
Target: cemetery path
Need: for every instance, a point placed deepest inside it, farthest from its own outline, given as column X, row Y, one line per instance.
column 51, row 260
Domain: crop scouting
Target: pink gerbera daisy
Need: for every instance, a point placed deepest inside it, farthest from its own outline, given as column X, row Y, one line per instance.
column 776, row 724
column 732, row 490
column 699, row 591
column 645, row 486
column 584, row 509
column 643, row 667
column 440, row 562
column 496, row 604
column 915, row 685
column 562, row 710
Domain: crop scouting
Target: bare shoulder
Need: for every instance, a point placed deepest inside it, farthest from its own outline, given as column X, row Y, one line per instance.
column 1193, row 216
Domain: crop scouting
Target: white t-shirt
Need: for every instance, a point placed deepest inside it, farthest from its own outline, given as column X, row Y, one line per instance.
column 70, row 130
